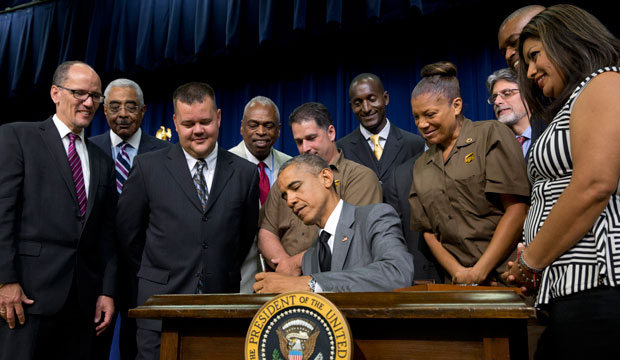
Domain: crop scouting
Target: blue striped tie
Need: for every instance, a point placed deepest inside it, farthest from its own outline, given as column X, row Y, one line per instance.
column 201, row 183
column 122, row 166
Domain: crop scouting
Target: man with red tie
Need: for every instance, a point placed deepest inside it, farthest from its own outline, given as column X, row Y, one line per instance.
column 260, row 129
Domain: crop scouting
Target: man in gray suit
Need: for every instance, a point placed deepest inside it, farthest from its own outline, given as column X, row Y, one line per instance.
column 260, row 129
column 360, row 248
column 124, row 109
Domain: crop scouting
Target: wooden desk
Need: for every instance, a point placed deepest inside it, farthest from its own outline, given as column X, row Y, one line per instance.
column 397, row 325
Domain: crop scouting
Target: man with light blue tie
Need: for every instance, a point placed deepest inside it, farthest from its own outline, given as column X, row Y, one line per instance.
column 260, row 129
column 124, row 109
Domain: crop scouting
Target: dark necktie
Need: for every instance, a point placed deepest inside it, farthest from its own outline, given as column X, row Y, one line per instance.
column 78, row 175
column 325, row 254
column 521, row 140
column 201, row 183
column 122, row 166
column 203, row 195
column 263, row 182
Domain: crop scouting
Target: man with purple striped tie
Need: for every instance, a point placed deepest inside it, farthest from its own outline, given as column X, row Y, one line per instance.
column 57, row 201
column 124, row 109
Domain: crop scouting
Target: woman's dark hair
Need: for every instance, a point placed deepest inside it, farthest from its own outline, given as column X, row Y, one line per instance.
column 576, row 42
column 439, row 79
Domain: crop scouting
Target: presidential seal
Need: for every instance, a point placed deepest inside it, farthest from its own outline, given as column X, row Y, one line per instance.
column 298, row 326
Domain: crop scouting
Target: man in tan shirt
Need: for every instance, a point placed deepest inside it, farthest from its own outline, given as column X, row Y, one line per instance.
column 283, row 237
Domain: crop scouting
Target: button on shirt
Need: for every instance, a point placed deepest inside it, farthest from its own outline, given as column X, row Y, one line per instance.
column 80, row 147
column 209, row 170
column 133, row 141
column 383, row 135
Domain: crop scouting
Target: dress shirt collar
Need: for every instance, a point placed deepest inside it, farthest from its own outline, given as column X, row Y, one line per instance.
column 134, row 140
column 211, row 159
column 383, row 134
column 251, row 158
column 527, row 133
column 332, row 221
column 64, row 129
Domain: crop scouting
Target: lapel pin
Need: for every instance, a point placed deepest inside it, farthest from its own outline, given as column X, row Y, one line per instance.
column 469, row 157
column 469, row 140
column 345, row 239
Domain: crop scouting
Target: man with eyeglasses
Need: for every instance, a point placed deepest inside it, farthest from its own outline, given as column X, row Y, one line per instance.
column 508, row 106
column 57, row 201
column 124, row 109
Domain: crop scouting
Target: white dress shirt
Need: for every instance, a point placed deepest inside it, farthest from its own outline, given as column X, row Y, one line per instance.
column 80, row 147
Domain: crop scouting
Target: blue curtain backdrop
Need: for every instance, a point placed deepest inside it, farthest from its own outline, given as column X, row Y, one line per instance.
column 292, row 51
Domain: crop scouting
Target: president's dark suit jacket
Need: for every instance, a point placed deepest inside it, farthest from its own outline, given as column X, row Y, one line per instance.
column 396, row 193
column 43, row 244
column 148, row 143
column 369, row 252
column 400, row 146
column 164, row 231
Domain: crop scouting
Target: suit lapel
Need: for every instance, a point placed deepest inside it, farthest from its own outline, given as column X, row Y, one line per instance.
column 107, row 144
column 95, row 174
column 147, row 144
column 362, row 151
column 391, row 150
column 56, row 149
column 343, row 237
column 223, row 172
column 177, row 166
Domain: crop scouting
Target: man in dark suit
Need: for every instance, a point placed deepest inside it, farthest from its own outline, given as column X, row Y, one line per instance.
column 376, row 143
column 124, row 109
column 360, row 248
column 188, row 214
column 396, row 193
column 510, row 109
column 57, row 201
column 508, row 42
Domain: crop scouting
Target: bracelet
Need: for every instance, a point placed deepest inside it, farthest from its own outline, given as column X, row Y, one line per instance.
column 521, row 261
column 532, row 281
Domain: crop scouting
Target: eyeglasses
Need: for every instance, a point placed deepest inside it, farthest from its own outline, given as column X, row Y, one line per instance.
column 129, row 107
column 82, row 95
column 505, row 94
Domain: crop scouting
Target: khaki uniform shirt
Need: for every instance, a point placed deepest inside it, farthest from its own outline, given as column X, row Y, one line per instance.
column 355, row 184
column 455, row 199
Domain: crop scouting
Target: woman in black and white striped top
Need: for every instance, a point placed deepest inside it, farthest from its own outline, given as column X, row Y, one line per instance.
column 569, row 74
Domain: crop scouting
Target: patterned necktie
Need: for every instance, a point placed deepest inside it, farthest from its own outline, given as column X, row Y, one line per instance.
column 122, row 166
column 521, row 140
column 325, row 254
column 263, row 182
column 378, row 148
column 78, row 175
column 201, row 183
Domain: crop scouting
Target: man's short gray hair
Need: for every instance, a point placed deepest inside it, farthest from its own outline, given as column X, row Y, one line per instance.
column 507, row 74
column 126, row 83
column 262, row 100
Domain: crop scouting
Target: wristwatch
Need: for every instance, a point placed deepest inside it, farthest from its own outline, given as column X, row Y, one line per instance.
column 312, row 284
column 1, row 285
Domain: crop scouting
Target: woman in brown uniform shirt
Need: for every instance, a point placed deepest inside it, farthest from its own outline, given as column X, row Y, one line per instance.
column 470, row 190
